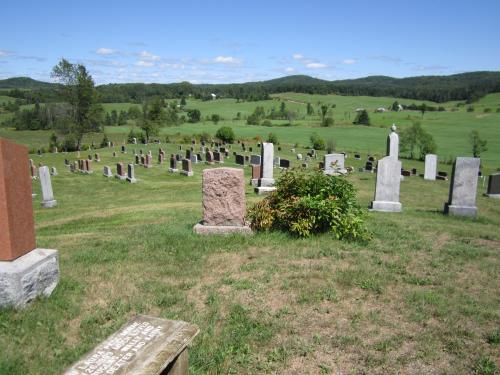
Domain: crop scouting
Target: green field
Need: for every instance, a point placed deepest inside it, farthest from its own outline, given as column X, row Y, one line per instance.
column 420, row 297
column 450, row 129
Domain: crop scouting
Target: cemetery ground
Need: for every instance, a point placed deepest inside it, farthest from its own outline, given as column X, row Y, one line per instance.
column 420, row 297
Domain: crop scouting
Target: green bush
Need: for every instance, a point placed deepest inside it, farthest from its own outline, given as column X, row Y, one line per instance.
column 317, row 142
column 225, row 134
column 308, row 202
column 272, row 138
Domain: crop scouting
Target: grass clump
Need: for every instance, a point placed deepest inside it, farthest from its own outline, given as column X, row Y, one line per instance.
column 309, row 202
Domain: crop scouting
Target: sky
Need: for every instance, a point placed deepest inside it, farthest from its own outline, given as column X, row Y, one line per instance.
column 240, row 41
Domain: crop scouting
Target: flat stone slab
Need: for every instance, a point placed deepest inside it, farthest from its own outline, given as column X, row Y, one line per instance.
column 385, row 206
column 23, row 279
column 264, row 189
column 144, row 346
column 221, row 229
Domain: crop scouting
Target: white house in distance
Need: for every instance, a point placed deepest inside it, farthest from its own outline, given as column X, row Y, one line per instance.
column 213, row 96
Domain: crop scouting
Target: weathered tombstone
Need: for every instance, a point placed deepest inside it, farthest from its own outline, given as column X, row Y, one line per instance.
column 284, row 163
column 224, row 205
column 209, row 157
column 240, row 159
column 173, row 164
column 47, row 193
column 124, row 150
column 393, row 143
column 369, row 166
column 142, row 160
column 178, row 157
column 255, row 159
column 405, row 173
column 161, row 157
column 55, row 150
column 187, row 169
column 304, row 165
column 266, row 180
column 130, row 174
column 148, row 161
column 199, row 156
column 218, row 157
column 493, row 186
column 88, row 166
column 254, row 181
column 106, row 171
column 357, row 156
column 194, row 158
column 25, row 271
column 387, row 186
column 66, row 162
column 334, row 164
column 134, row 141
column 120, row 171
column 463, row 187
column 114, row 154
column 188, row 154
column 33, row 170
column 414, row 171
column 299, row 156
column 430, row 167
column 371, row 158
column 97, row 158
column 277, row 161
column 53, row 171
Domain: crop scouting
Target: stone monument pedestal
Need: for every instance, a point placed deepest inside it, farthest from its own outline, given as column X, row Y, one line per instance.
column 49, row 204
column 386, row 206
column 496, row 196
column 187, row 173
column 173, row 170
column 450, row 209
column 200, row 228
column 264, row 189
column 27, row 277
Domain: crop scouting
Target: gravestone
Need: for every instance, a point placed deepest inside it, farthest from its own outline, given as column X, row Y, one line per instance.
column 123, row 149
column 26, row 272
column 493, row 186
column 200, row 157
column 194, row 159
column 187, row 169
column 254, row 181
column 224, row 205
column 218, row 157
column 53, row 171
column 114, row 154
column 393, row 143
column 430, row 167
column 387, row 186
column 173, row 164
column 88, row 166
column 188, row 154
column 266, row 180
column 145, row 345
column 33, row 170
column 148, row 161
column 334, row 164
column 299, row 156
column 414, row 171
column 463, row 187
column 255, row 159
column 209, row 157
column 240, row 159
column 161, row 157
column 357, row 156
column 47, row 192
column 97, row 158
column 284, row 163
column 276, row 161
column 106, row 171
column 137, row 159
column 369, row 166
column 130, row 174
column 120, row 171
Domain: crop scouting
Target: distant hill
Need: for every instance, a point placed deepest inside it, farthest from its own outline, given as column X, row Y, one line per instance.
column 465, row 86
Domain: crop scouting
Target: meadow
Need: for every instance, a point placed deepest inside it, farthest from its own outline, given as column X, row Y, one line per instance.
column 420, row 297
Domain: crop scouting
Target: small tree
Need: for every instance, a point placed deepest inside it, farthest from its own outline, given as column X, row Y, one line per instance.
column 324, row 110
column 362, row 118
column 215, row 118
column 310, row 109
column 225, row 134
column 478, row 144
column 194, row 115
column 317, row 142
column 272, row 138
column 330, row 146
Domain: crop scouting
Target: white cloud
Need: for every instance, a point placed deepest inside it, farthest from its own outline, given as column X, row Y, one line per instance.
column 289, row 69
column 145, row 55
column 144, row 63
column 349, row 61
column 4, row 53
column 298, row 56
column 227, row 60
column 105, row 51
column 313, row 65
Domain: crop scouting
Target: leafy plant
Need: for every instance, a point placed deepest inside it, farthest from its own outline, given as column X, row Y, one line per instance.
column 308, row 202
column 225, row 134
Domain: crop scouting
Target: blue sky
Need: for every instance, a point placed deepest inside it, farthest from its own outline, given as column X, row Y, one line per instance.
column 239, row 41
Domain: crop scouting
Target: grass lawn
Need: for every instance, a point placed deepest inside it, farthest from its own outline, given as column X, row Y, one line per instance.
column 421, row 297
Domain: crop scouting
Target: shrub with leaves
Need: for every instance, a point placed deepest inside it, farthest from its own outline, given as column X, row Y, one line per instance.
column 308, row 202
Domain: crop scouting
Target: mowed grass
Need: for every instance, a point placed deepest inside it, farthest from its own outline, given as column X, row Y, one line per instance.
column 420, row 297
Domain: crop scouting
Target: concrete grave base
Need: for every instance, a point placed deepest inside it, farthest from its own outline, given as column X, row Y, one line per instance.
column 49, row 204
column 264, row 189
column 172, row 170
column 186, row 173
column 27, row 277
column 266, row 182
column 496, row 196
column 120, row 177
column 221, row 229
column 460, row 210
column 132, row 180
column 386, row 206
column 254, row 182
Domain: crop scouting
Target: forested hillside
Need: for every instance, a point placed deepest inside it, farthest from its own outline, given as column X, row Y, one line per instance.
column 465, row 86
